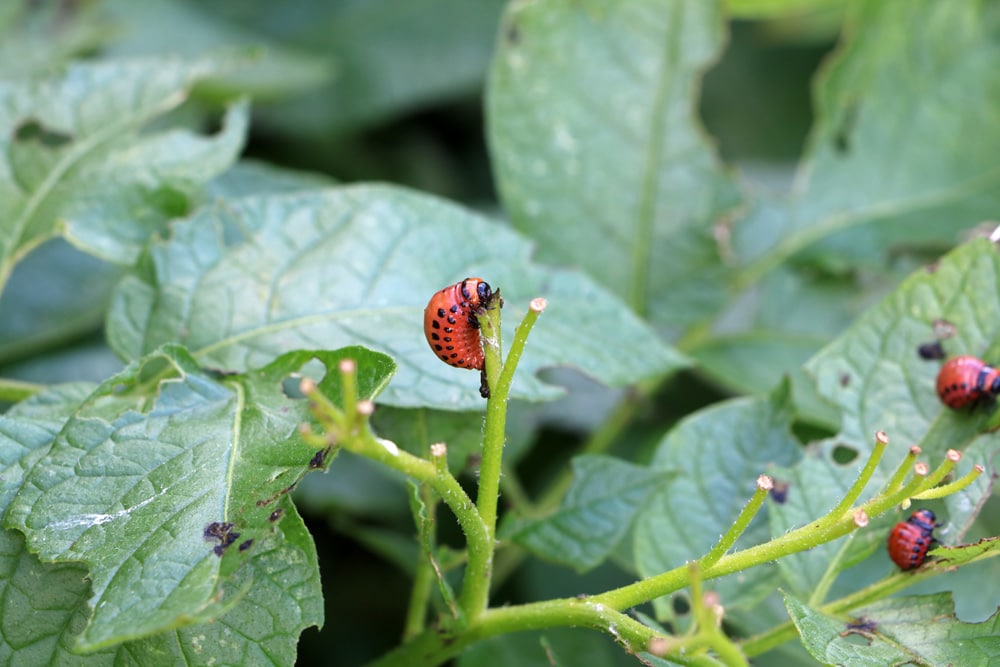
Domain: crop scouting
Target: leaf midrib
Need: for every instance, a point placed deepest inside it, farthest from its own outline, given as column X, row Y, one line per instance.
column 642, row 249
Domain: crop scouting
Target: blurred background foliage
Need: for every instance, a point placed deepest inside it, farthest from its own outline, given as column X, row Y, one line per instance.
column 392, row 90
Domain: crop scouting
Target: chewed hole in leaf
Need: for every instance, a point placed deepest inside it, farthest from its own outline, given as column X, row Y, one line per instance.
column 680, row 605
column 169, row 201
column 843, row 454
column 313, row 369
column 32, row 131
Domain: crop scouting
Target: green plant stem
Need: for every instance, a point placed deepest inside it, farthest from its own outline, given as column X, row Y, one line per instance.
column 953, row 487
column 433, row 648
column 742, row 521
column 830, row 574
column 800, row 539
column 601, row 611
column 862, row 479
column 416, row 612
column 14, row 391
column 896, row 481
column 446, row 486
column 426, row 572
column 479, row 571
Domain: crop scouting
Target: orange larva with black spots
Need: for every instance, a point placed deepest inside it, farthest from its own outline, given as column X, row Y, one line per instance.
column 451, row 326
column 909, row 540
column 967, row 380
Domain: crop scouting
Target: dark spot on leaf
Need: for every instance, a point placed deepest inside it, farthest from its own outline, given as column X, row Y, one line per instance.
column 845, row 379
column 930, row 351
column 862, row 625
column 223, row 532
column 287, row 489
column 513, row 34
column 842, row 137
column 276, row 514
column 217, row 529
column 246, row 545
column 318, row 459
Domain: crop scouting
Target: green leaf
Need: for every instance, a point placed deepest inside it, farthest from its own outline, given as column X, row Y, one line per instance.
column 598, row 153
column 753, row 362
column 814, row 487
column 77, row 162
column 39, row 38
column 965, row 505
column 168, row 479
column 58, row 293
column 51, row 596
column 778, row 325
column 717, row 454
column 244, row 281
column 875, row 377
column 172, row 27
column 898, row 631
column 763, row 9
column 249, row 178
column 594, row 516
column 389, row 57
column 416, row 429
column 861, row 173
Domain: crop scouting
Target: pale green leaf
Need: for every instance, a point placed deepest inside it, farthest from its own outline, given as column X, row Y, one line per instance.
column 875, row 377
column 902, row 153
column 898, row 631
column 76, row 160
column 244, row 281
column 593, row 517
column 716, row 454
column 176, row 27
column 58, row 292
column 39, row 37
column 166, row 480
column 388, row 57
column 598, row 152
column 249, row 178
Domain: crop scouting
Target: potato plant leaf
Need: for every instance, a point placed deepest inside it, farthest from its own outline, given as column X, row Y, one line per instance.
column 244, row 281
column 874, row 375
column 170, row 483
column 888, row 162
column 919, row 630
column 593, row 517
column 79, row 159
column 717, row 454
column 598, row 152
